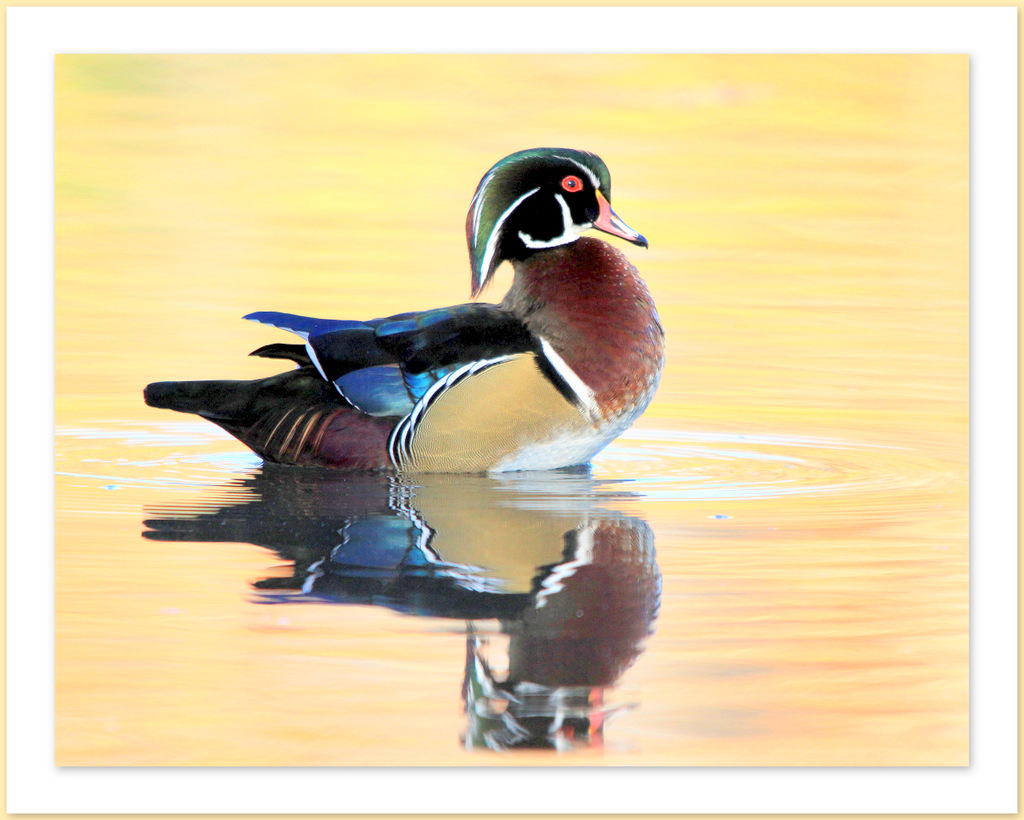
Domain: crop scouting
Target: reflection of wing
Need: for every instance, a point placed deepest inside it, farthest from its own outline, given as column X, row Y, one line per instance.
column 348, row 534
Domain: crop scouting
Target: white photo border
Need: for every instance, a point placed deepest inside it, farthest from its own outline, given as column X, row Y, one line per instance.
column 988, row 34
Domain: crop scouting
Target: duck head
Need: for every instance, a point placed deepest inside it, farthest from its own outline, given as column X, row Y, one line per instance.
column 538, row 199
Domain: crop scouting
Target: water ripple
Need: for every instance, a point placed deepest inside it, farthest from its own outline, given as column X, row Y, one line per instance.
column 671, row 464
column 657, row 464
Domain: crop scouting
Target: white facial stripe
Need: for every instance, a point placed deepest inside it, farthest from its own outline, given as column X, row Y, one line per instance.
column 576, row 384
column 478, row 204
column 492, row 240
column 590, row 174
column 530, row 242
column 570, row 231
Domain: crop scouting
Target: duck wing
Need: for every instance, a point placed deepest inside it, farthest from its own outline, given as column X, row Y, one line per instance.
column 385, row 366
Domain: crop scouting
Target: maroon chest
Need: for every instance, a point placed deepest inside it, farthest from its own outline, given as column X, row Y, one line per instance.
column 590, row 303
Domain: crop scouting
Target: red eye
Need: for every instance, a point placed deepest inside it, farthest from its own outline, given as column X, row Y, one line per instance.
column 572, row 184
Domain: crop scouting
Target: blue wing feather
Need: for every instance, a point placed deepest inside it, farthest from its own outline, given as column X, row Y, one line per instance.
column 377, row 391
column 420, row 383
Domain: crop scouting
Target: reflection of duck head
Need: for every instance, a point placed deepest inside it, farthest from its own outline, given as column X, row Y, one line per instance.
column 573, row 583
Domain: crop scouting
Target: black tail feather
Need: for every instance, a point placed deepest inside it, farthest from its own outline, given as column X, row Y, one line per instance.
column 252, row 411
column 245, row 402
column 279, row 350
column 291, row 418
column 205, row 398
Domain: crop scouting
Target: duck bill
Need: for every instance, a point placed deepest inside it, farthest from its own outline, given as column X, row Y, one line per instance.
column 609, row 222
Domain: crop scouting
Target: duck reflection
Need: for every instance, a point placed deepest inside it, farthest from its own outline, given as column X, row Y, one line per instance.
column 572, row 583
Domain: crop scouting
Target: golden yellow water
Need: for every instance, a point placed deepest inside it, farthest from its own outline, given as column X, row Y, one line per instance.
column 802, row 474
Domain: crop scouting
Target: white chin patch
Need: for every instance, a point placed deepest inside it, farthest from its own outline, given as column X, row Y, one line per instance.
column 570, row 231
column 564, row 239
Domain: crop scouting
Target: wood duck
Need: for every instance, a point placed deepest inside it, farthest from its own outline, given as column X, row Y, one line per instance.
column 545, row 379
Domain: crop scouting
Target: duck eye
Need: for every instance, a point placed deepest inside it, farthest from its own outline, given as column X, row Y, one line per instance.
column 572, row 183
